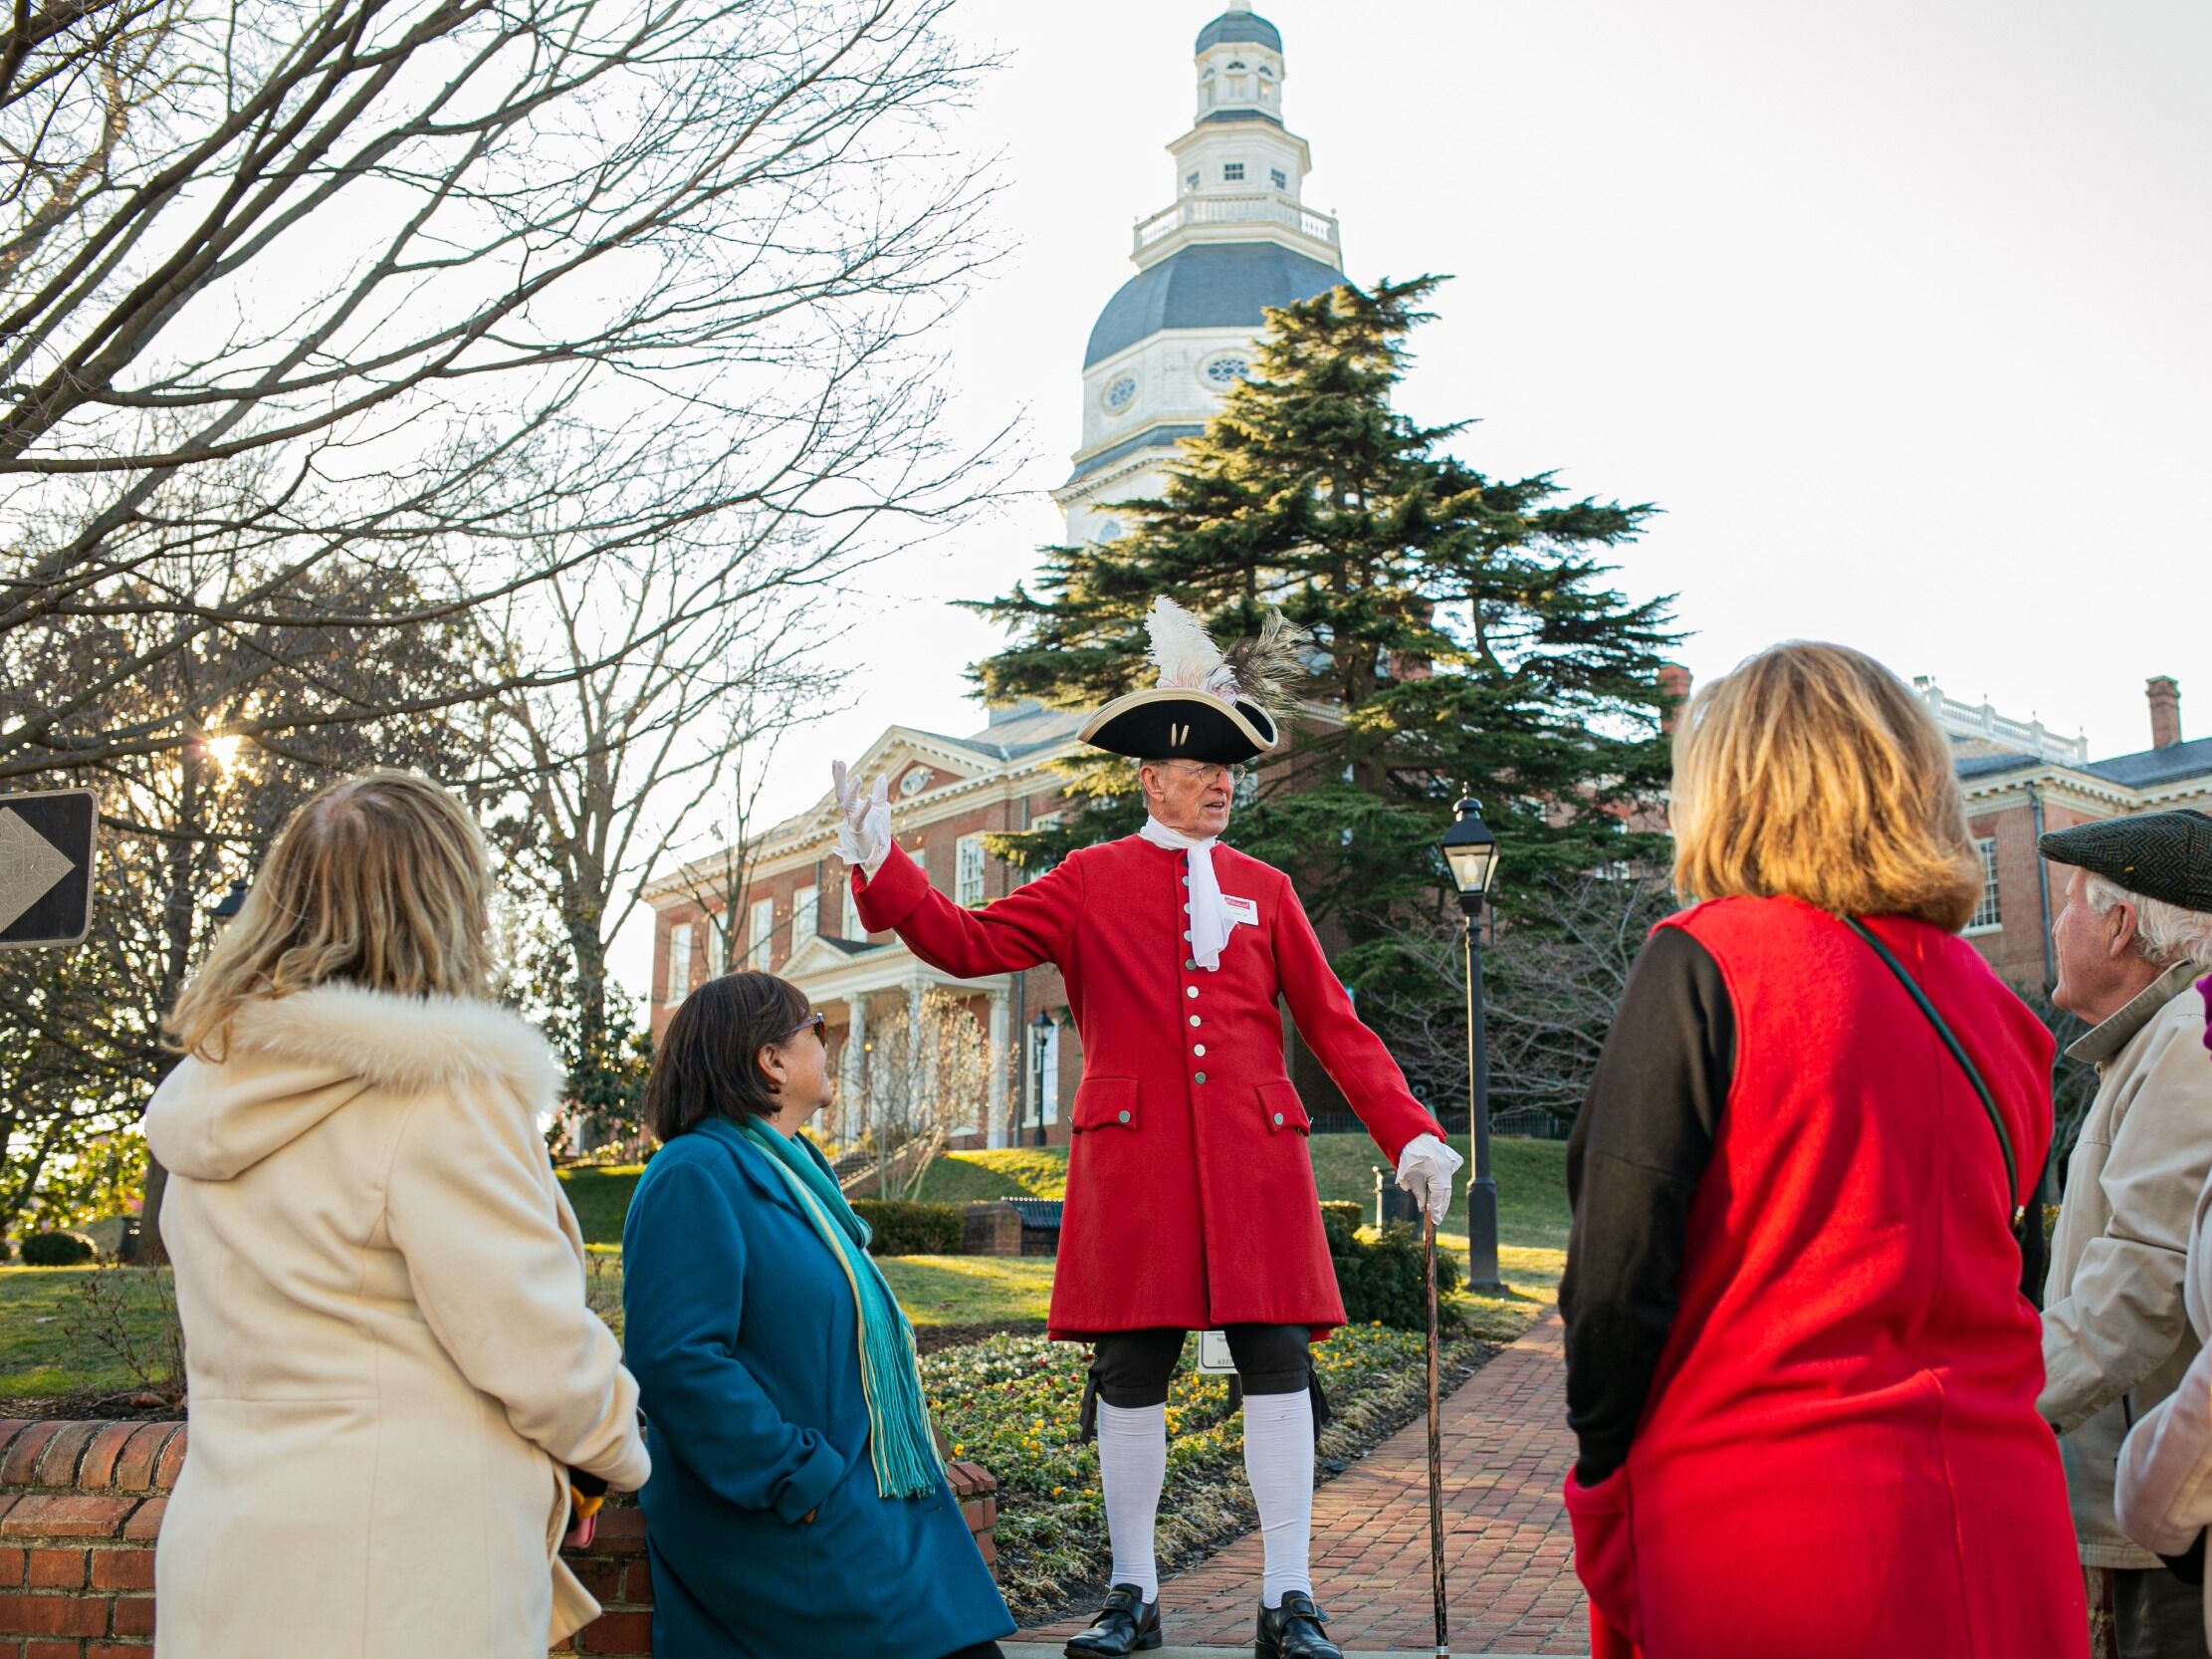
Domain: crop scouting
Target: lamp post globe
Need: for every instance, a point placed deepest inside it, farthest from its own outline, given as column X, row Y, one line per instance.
column 1470, row 852
column 1040, row 1028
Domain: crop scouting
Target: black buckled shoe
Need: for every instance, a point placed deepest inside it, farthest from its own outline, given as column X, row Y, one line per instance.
column 1293, row 1631
column 1128, row 1623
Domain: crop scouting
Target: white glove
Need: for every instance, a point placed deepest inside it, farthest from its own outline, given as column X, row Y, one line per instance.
column 863, row 821
column 1425, row 1169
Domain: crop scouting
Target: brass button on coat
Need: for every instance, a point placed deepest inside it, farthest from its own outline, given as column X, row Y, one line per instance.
column 1125, row 1117
column 1199, row 1078
column 1194, row 1019
column 1190, row 965
column 1190, row 990
column 1279, row 1119
column 1199, row 1048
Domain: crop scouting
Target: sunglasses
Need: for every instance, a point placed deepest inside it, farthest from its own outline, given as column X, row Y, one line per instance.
column 816, row 1022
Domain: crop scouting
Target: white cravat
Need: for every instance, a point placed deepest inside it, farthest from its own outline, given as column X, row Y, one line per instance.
column 1208, row 915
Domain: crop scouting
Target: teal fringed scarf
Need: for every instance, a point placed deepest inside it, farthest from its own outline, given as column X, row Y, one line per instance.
column 900, row 1444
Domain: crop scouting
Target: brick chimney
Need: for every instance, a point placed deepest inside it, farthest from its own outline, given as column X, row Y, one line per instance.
column 1675, row 683
column 2165, row 693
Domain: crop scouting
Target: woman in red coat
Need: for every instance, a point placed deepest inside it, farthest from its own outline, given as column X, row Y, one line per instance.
column 1800, row 1371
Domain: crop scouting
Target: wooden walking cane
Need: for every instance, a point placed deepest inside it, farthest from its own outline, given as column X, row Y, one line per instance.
column 1436, row 1442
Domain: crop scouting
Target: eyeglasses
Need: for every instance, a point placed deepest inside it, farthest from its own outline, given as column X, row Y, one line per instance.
column 1208, row 772
column 816, row 1022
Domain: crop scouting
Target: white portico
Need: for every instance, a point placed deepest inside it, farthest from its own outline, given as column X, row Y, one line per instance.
column 839, row 972
column 1237, row 239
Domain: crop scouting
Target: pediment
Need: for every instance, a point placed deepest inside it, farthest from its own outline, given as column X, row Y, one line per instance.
column 820, row 955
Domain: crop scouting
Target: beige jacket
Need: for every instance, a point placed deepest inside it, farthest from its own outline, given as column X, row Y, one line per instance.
column 2165, row 1463
column 2116, row 1335
column 388, row 1343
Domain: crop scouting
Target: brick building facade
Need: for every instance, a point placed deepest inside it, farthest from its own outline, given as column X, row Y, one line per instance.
column 795, row 918
column 2022, row 779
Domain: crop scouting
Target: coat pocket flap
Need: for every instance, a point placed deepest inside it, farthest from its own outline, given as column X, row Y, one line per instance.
column 1106, row 1104
column 1282, row 1108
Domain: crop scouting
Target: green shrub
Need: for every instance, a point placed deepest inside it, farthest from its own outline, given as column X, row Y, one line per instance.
column 1384, row 1280
column 55, row 1250
column 1340, row 1222
column 904, row 1229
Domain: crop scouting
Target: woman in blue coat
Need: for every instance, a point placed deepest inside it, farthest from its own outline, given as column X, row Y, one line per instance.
column 797, row 1504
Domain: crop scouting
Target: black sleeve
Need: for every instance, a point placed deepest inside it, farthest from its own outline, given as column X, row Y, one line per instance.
column 1638, row 1151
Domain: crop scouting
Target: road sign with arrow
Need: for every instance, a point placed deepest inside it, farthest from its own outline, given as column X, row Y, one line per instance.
column 46, row 867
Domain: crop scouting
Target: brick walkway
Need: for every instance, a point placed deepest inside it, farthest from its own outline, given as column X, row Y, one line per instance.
column 1506, row 1547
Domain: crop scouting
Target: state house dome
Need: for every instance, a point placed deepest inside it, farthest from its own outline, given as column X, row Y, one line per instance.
column 1207, row 285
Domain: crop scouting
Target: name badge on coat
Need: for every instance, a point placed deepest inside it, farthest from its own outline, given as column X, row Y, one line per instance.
column 1243, row 911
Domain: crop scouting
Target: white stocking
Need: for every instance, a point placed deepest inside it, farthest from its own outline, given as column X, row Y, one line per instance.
column 1278, row 1460
column 1132, row 1466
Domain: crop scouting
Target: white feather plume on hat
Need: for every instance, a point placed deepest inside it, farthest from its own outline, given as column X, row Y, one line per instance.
column 1262, row 670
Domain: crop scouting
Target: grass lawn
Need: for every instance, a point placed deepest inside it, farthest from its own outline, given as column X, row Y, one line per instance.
column 600, row 1196
column 50, row 1337
column 51, row 1329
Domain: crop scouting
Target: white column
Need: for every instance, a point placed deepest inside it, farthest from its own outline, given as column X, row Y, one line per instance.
column 853, row 1114
column 916, row 1060
column 996, row 1120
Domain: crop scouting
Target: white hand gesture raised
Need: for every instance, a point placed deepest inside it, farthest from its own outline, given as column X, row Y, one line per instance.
column 863, row 819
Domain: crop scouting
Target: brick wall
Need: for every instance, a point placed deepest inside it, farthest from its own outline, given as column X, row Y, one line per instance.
column 81, row 1504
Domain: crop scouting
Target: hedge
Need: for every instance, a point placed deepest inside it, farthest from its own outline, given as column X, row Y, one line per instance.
column 903, row 1229
column 1385, row 1279
column 55, row 1250
column 1340, row 1220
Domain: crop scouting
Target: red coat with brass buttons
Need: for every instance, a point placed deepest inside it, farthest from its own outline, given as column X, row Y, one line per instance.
column 1189, row 1192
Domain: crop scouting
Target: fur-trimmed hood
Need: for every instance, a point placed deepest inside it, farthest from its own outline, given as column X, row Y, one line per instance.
column 292, row 1060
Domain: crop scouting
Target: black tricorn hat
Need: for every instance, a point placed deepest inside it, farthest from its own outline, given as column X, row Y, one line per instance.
column 2164, row 856
column 1210, row 704
column 1165, row 725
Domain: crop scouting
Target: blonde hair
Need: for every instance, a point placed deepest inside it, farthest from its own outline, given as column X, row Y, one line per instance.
column 1812, row 771
column 380, row 882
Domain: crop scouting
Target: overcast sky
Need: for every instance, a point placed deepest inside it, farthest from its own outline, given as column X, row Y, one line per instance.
column 1896, row 309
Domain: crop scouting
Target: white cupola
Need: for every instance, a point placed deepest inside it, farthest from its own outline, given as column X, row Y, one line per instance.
column 1235, row 239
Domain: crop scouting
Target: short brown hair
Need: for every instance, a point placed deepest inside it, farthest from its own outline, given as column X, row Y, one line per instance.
column 379, row 881
column 1812, row 771
column 708, row 1062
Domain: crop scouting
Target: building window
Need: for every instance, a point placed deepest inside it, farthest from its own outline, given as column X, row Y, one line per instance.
column 1988, row 913
column 679, row 964
column 968, row 870
column 1190, row 182
column 1233, row 171
column 1225, row 371
column 806, row 915
column 762, row 935
column 1281, row 178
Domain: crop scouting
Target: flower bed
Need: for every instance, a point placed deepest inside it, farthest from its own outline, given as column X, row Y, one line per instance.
column 1010, row 1403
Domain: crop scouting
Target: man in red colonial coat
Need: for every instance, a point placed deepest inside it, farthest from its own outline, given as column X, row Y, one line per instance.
column 1191, row 1201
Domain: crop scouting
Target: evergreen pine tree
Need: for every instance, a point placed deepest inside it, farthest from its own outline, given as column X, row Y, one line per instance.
column 1464, row 631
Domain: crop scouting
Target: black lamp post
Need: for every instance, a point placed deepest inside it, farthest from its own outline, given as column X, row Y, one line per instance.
column 1040, row 1028
column 1471, row 853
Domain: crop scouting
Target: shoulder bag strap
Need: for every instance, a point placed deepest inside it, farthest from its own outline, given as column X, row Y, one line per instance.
column 1958, row 1052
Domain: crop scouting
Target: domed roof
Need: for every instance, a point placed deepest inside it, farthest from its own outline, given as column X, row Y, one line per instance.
column 1208, row 285
column 1236, row 26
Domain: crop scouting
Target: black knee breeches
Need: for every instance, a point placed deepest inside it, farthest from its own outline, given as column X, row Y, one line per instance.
column 1129, row 1368
column 1132, row 1367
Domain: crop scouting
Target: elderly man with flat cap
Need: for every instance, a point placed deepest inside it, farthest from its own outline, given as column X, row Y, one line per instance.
column 1190, row 1202
column 2134, row 934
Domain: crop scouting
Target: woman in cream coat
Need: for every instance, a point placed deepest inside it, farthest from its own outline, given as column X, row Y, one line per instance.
column 390, row 1358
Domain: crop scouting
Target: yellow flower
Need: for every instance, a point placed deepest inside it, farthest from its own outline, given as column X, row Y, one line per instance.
column 959, row 1450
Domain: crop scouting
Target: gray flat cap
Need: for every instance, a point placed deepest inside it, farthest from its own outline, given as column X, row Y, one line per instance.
column 2164, row 856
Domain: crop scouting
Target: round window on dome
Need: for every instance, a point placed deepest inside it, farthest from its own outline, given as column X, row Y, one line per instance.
column 1120, row 396
column 1226, row 370
column 1110, row 531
